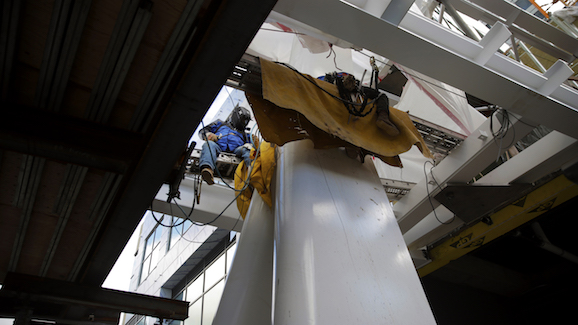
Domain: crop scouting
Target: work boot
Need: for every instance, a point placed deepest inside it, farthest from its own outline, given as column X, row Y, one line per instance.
column 383, row 122
column 207, row 174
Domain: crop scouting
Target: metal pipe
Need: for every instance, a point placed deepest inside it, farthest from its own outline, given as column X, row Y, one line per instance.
column 339, row 254
column 456, row 16
column 442, row 11
column 532, row 57
column 515, row 47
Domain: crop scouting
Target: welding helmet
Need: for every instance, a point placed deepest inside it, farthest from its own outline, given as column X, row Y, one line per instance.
column 239, row 118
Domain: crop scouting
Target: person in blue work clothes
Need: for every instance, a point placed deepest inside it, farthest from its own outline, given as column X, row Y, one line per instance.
column 228, row 136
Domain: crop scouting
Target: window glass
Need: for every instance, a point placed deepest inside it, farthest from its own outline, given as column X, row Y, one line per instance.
column 158, row 235
column 212, row 299
column 195, row 289
column 186, row 226
column 195, row 312
column 230, row 254
column 175, row 236
column 155, row 256
column 144, row 271
column 215, row 272
column 149, row 245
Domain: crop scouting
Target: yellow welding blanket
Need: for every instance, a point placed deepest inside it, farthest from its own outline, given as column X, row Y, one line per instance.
column 293, row 107
column 263, row 169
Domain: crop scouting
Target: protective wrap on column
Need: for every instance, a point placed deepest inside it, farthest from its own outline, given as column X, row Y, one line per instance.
column 295, row 106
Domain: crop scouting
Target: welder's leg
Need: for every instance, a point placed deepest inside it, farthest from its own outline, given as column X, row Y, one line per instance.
column 207, row 162
column 209, row 155
column 245, row 154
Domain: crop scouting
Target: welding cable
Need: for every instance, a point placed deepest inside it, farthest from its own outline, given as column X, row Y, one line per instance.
column 325, row 91
column 429, row 195
column 214, row 219
column 159, row 221
column 500, row 134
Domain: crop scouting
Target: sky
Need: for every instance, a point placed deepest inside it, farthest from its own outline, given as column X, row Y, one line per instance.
column 119, row 276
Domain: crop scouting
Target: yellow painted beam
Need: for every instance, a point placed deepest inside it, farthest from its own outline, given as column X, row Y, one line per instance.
column 532, row 205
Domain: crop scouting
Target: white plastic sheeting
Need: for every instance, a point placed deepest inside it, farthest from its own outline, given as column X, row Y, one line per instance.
column 425, row 97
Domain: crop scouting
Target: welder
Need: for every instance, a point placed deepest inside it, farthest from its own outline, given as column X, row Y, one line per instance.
column 229, row 136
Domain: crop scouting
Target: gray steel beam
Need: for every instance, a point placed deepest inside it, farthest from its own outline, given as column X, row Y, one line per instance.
column 32, row 288
column 502, row 87
column 546, row 46
column 68, row 139
column 465, row 162
column 396, row 10
column 513, row 14
column 69, row 189
column 195, row 93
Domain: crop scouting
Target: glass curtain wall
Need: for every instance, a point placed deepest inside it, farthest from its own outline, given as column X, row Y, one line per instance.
column 204, row 292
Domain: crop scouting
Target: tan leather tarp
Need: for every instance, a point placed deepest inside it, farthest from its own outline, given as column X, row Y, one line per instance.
column 293, row 108
column 263, row 169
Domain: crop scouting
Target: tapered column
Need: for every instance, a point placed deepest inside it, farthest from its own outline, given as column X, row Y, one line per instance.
column 247, row 295
column 340, row 257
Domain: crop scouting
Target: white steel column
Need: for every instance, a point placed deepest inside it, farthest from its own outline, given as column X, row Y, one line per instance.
column 340, row 257
column 247, row 295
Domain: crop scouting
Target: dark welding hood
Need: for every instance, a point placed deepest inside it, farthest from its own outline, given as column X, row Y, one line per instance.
column 239, row 118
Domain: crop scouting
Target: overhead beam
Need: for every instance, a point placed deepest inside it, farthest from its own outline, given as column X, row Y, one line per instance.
column 31, row 288
column 396, row 10
column 466, row 161
column 500, row 80
column 541, row 200
column 541, row 158
column 221, row 40
column 529, row 22
column 562, row 49
column 67, row 139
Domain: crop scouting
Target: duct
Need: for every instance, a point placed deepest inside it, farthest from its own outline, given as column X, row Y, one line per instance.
column 69, row 189
column 128, row 32
column 66, row 26
column 169, row 61
column 396, row 10
column 547, row 245
column 99, row 210
column 8, row 35
column 28, row 182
